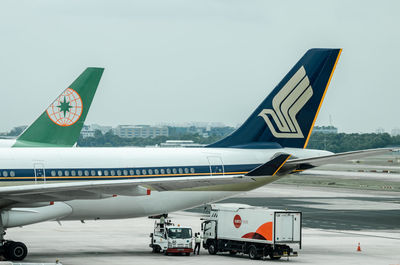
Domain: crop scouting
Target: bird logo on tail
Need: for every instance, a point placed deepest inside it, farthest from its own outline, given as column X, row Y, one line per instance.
column 286, row 105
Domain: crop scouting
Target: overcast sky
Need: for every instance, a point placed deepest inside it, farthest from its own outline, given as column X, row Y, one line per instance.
column 197, row 60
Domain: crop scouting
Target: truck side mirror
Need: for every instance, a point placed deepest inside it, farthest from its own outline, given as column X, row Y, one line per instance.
column 151, row 234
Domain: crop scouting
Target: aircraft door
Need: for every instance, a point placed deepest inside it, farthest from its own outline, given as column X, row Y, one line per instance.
column 216, row 165
column 40, row 173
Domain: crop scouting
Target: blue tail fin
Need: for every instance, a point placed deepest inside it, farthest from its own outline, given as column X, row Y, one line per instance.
column 286, row 117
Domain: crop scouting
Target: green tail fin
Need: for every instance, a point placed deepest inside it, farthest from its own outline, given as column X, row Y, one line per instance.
column 61, row 123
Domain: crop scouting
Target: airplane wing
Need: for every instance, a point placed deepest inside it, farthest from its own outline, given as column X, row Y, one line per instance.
column 264, row 174
column 29, row 194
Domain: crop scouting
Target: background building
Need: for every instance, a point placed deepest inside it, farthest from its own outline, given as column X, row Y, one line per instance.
column 325, row 129
column 140, row 131
column 181, row 143
column 89, row 130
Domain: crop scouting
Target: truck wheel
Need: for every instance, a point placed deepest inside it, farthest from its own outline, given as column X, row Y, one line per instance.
column 253, row 252
column 156, row 249
column 212, row 248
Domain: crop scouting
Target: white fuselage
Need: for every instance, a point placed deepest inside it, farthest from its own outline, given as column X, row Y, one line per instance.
column 6, row 143
column 47, row 165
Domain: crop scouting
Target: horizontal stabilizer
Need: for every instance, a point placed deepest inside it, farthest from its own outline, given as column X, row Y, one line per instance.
column 271, row 167
column 308, row 163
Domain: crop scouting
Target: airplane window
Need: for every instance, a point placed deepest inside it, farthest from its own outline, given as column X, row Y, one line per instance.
column 137, row 172
column 156, row 171
column 99, row 172
column 144, row 171
column 53, row 173
column 93, row 172
column 186, row 170
column 86, row 172
column 131, row 172
column 66, row 173
column 168, row 171
column 125, row 172
column 106, row 172
column 5, row 174
column 174, row 170
column 119, row 172
column 162, row 171
column 73, row 173
column 150, row 172
column 12, row 173
column 112, row 172
column 59, row 173
column 79, row 172
column 192, row 170
column 180, row 170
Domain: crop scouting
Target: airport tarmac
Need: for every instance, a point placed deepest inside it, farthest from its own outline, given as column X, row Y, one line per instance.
column 335, row 220
column 329, row 208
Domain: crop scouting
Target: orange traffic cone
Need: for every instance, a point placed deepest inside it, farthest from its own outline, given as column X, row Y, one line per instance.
column 359, row 247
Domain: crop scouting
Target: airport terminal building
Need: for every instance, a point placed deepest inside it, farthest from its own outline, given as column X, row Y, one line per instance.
column 140, row 131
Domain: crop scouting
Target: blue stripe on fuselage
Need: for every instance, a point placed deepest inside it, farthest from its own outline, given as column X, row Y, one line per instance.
column 52, row 174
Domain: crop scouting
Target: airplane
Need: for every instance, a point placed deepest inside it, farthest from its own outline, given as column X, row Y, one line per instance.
column 42, row 184
column 61, row 123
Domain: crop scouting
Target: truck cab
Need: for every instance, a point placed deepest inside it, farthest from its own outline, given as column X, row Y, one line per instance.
column 170, row 238
column 209, row 229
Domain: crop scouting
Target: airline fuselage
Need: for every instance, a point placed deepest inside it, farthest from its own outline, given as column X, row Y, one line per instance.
column 20, row 166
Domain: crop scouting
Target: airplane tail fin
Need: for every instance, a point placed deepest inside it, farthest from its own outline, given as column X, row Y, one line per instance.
column 61, row 123
column 287, row 116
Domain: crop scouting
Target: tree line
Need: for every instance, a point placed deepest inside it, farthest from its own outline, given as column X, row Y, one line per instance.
column 340, row 142
column 110, row 139
column 343, row 142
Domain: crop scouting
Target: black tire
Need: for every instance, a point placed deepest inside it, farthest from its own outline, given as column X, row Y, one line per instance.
column 212, row 248
column 253, row 252
column 156, row 249
column 15, row 251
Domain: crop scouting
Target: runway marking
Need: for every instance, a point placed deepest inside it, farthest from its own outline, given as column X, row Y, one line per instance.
column 345, row 204
column 359, row 234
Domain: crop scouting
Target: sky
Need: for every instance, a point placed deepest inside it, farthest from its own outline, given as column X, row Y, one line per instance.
column 176, row 61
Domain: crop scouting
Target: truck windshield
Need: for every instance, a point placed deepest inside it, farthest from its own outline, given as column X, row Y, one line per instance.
column 179, row 232
column 207, row 226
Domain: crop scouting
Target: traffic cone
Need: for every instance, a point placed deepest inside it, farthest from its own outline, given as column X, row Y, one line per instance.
column 359, row 247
